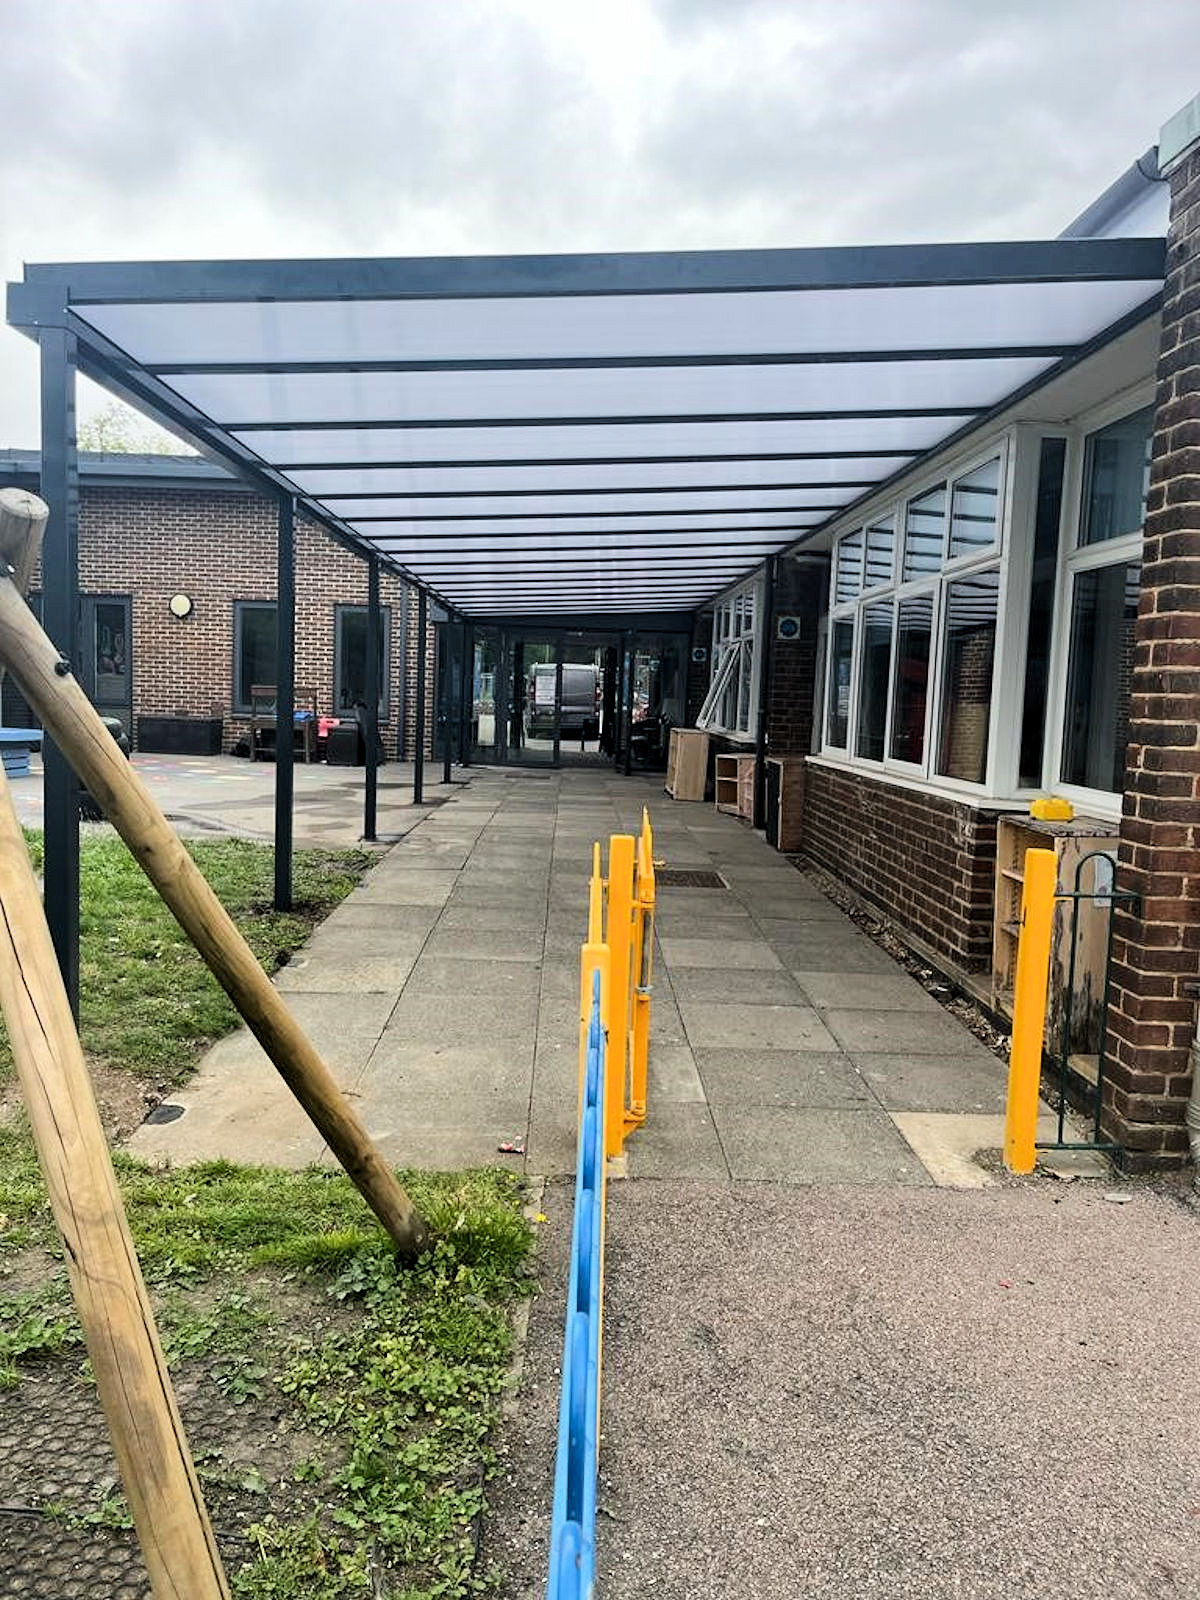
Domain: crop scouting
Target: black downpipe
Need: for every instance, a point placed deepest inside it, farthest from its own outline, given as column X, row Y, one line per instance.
column 285, row 701
column 60, row 616
column 765, row 655
column 371, row 711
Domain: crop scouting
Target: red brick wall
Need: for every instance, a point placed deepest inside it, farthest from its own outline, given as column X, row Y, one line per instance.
column 1156, row 947
column 219, row 546
column 927, row 861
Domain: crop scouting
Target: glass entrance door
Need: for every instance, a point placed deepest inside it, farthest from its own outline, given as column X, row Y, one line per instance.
column 486, row 725
column 105, row 647
column 533, row 699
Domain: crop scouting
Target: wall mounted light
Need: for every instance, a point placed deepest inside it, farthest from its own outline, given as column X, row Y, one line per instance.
column 181, row 605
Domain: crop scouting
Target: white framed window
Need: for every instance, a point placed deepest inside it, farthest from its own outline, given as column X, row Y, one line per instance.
column 913, row 632
column 731, row 705
column 1099, row 591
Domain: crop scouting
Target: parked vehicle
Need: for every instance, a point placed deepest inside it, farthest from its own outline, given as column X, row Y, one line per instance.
column 581, row 691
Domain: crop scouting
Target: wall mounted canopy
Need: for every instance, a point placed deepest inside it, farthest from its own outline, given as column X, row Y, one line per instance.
column 575, row 433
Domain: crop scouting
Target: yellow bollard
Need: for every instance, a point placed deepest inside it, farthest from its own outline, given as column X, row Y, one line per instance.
column 619, row 938
column 595, row 934
column 1029, row 1010
column 643, row 963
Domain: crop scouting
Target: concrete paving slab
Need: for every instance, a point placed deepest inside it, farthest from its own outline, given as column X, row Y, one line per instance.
column 424, row 1076
column 747, row 985
column 673, row 1076
column 450, row 976
column 410, row 887
column 776, row 914
column 735, row 953
column 492, row 894
column 517, row 920
column 517, row 945
column 344, row 1029
column 900, row 1032
column 360, row 914
column 340, row 973
column 807, row 1145
column 439, row 1146
column 748, row 1077
column 694, row 903
column 947, row 1144
column 236, row 1111
column 824, row 947
column 867, row 991
column 680, row 1141
column 973, row 1080
column 711, row 1026
column 472, row 1020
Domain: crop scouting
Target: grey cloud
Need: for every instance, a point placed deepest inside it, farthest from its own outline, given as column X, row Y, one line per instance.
column 227, row 127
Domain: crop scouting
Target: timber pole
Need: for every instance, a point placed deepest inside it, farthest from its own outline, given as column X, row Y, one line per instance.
column 114, row 1310
column 69, row 717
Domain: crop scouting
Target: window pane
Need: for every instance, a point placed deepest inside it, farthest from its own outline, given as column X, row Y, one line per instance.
column 351, row 683
column 881, row 540
column 1041, row 609
column 256, row 649
column 967, row 662
column 924, row 531
column 914, row 632
column 975, row 510
column 841, row 650
column 849, row 566
column 1116, row 478
column 111, row 663
column 873, row 684
column 1104, row 606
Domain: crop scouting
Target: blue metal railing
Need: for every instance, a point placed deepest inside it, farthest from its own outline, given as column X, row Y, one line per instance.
column 573, row 1528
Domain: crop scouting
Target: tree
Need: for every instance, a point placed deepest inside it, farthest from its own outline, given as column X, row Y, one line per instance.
column 118, row 429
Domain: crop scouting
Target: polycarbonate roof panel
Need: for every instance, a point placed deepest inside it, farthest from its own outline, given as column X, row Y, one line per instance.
column 862, row 387
column 597, row 326
column 572, row 433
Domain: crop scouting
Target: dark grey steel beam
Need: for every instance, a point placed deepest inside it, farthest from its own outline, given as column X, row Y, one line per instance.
column 500, row 463
column 553, row 276
column 780, row 531
column 371, row 719
column 752, row 358
column 285, row 700
column 746, row 486
column 600, row 420
column 60, row 617
column 422, row 671
column 357, row 521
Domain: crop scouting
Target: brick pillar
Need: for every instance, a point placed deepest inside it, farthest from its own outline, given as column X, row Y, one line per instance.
column 800, row 592
column 1156, row 949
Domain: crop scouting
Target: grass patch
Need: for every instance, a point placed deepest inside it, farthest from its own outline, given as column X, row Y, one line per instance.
column 148, row 1004
column 283, row 1312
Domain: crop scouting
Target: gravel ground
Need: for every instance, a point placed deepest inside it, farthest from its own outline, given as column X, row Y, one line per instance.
column 849, row 1392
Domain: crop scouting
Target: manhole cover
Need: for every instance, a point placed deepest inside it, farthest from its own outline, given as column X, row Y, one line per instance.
column 684, row 878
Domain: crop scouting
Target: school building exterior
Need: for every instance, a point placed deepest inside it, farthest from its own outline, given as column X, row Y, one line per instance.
column 1015, row 612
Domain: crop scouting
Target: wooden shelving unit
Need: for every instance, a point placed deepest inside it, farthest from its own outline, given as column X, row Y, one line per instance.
column 687, row 764
column 1070, row 841
column 735, row 784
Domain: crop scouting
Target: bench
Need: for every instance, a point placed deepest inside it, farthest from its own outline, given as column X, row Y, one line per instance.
column 15, row 745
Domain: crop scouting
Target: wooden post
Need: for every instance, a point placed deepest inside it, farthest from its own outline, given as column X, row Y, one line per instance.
column 71, row 720
column 114, row 1309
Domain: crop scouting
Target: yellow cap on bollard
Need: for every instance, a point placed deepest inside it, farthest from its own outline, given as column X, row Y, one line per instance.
column 1052, row 808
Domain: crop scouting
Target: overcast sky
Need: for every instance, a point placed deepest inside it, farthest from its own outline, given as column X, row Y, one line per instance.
column 199, row 128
